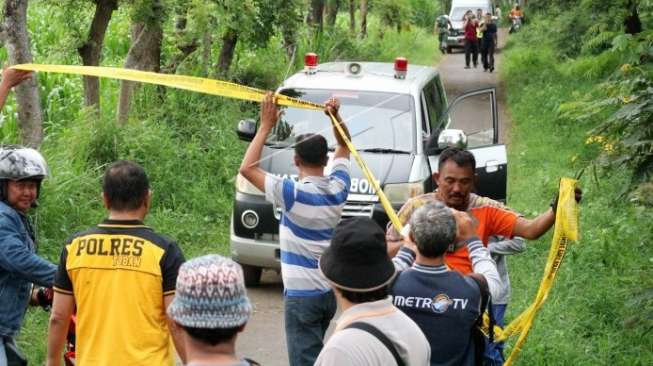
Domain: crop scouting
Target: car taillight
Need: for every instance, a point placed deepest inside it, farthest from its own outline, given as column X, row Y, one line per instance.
column 310, row 63
column 401, row 67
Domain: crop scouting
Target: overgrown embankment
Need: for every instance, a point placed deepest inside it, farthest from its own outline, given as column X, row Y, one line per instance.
column 572, row 110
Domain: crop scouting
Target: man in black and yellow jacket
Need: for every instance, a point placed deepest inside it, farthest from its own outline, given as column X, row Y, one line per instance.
column 121, row 277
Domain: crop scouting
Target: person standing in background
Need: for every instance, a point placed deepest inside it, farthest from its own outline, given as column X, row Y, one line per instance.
column 470, row 25
column 489, row 42
column 442, row 26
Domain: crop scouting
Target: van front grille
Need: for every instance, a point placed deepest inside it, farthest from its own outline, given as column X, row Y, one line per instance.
column 355, row 209
column 361, row 206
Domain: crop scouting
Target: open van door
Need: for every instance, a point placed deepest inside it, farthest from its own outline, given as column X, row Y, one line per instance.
column 475, row 114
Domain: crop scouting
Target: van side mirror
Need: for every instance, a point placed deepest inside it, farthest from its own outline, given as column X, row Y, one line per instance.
column 444, row 139
column 246, row 129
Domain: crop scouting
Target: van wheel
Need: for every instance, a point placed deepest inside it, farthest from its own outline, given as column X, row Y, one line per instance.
column 448, row 49
column 252, row 275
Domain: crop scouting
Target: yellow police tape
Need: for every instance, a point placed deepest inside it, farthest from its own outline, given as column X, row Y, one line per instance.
column 221, row 88
column 566, row 229
column 192, row 83
column 566, row 217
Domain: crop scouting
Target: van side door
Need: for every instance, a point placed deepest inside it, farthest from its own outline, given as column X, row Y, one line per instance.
column 476, row 114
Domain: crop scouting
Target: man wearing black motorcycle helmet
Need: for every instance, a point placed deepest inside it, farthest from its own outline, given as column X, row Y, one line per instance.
column 21, row 172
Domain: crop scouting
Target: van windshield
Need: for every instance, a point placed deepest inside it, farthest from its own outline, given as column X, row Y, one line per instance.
column 458, row 12
column 378, row 121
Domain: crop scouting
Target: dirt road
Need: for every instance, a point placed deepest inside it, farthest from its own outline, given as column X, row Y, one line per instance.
column 264, row 339
column 458, row 80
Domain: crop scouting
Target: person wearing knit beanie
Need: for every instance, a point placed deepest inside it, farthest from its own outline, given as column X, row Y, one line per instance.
column 211, row 307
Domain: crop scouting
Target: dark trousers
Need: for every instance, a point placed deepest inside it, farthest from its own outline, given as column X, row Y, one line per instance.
column 471, row 49
column 487, row 54
column 494, row 351
column 307, row 319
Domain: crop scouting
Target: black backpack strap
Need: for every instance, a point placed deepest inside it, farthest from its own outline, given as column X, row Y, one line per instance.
column 477, row 334
column 485, row 300
column 380, row 336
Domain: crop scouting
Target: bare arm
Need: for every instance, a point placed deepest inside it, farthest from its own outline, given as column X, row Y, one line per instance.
column 533, row 229
column 249, row 168
column 174, row 331
column 332, row 107
column 11, row 78
column 63, row 306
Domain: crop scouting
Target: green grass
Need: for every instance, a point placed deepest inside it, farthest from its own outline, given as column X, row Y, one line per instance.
column 599, row 311
column 186, row 141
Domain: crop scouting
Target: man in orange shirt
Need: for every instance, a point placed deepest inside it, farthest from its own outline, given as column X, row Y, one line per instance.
column 516, row 18
column 455, row 181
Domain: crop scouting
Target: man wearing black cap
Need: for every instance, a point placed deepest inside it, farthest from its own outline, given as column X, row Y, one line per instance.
column 370, row 330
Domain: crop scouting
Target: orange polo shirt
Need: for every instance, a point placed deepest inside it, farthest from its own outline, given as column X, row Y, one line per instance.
column 491, row 221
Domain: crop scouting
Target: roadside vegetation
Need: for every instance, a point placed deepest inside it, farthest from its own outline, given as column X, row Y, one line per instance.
column 186, row 141
column 579, row 92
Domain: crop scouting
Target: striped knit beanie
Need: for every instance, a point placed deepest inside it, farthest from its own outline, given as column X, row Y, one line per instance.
column 210, row 294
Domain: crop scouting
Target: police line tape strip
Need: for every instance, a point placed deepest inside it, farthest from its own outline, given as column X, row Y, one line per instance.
column 566, row 229
column 221, row 88
column 192, row 83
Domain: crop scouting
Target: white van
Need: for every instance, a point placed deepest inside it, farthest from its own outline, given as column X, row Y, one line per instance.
column 456, row 38
column 399, row 122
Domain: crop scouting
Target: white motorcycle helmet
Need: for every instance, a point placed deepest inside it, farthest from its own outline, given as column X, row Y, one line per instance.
column 20, row 163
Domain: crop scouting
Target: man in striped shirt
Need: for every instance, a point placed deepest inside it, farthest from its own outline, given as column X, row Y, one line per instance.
column 311, row 209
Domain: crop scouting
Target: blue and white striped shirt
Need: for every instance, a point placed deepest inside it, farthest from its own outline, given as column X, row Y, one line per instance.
column 311, row 209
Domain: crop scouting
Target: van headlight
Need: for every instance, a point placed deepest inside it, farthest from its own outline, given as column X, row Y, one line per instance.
column 401, row 192
column 244, row 186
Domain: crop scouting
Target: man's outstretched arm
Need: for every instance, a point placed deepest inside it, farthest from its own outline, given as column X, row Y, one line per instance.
column 63, row 306
column 249, row 168
column 533, row 229
column 11, row 78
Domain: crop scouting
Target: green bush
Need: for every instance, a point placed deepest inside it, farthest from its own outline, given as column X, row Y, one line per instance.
column 599, row 310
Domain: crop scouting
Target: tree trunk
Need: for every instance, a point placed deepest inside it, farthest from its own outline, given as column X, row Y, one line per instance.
column 30, row 119
column 91, row 51
column 185, row 47
column 445, row 6
column 315, row 15
column 632, row 22
column 227, row 52
column 352, row 16
column 144, row 54
column 363, row 10
column 332, row 8
column 207, row 41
